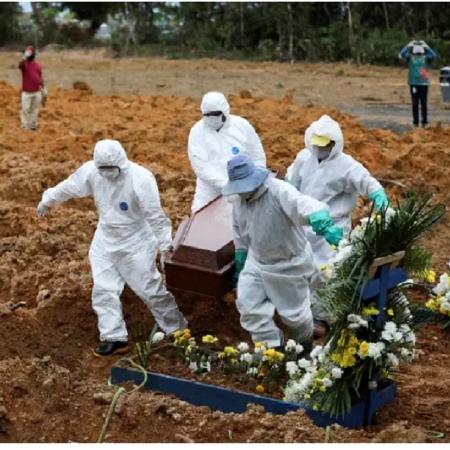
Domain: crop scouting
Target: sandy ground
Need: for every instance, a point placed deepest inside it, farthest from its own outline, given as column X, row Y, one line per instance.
column 51, row 387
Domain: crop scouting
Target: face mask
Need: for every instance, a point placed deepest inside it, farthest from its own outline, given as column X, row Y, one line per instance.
column 214, row 122
column 109, row 173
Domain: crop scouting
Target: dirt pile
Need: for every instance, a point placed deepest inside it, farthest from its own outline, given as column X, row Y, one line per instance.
column 48, row 377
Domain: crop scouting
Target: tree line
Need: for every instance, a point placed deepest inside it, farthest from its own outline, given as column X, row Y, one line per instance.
column 371, row 32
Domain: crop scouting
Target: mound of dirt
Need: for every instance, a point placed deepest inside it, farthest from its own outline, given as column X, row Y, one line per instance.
column 48, row 376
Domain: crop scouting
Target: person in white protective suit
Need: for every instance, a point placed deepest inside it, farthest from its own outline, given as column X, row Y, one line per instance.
column 132, row 227
column 273, row 255
column 323, row 171
column 213, row 141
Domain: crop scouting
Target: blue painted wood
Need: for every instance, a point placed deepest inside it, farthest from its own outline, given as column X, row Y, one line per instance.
column 372, row 287
column 226, row 400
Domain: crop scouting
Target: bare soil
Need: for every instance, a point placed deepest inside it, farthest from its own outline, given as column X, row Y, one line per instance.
column 52, row 389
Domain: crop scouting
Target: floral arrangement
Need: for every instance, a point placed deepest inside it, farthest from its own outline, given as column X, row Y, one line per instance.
column 266, row 365
column 439, row 303
column 358, row 344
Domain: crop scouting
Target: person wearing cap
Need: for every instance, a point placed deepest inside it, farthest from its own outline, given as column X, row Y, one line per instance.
column 132, row 228
column 273, row 257
column 32, row 89
column 323, row 171
column 418, row 55
column 214, row 140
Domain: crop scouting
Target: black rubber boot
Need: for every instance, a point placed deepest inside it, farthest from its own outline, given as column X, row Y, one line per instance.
column 110, row 348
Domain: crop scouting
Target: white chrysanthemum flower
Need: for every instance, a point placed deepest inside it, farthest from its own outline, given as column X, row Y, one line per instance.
column 291, row 368
column 392, row 360
column 247, row 358
column 243, row 347
column 336, row 373
column 390, row 213
column 304, row 363
column 410, row 338
column 252, row 371
column 390, row 326
column 316, row 351
column 405, row 328
column 158, row 337
column 375, row 349
column 354, row 318
column 327, row 382
column 290, row 345
column 299, row 349
column 193, row 366
column 443, row 286
column 354, row 326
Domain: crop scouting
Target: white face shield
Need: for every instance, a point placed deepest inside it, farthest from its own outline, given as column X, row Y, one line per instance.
column 109, row 173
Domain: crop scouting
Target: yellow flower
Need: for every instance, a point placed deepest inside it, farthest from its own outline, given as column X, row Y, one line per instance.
column 273, row 356
column 230, row 351
column 322, row 388
column 370, row 311
column 187, row 333
column 177, row 333
column 336, row 357
column 348, row 360
column 432, row 304
column 363, row 349
column 444, row 310
column 430, row 276
column 208, row 339
column 260, row 388
column 390, row 312
column 353, row 341
column 259, row 344
column 351, row 350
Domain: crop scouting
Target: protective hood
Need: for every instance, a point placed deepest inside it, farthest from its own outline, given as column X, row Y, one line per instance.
column 109, row 152
column 216, row 101
column 328, row 127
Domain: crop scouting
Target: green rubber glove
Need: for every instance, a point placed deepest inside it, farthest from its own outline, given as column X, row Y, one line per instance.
column 320, row 221
column 240, row 256
column 379, row 199
column 333, row 234
column 323, row 225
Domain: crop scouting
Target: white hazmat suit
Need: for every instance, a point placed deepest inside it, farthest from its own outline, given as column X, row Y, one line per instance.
column 337, row 181
column 210, row 150
column 132, row 227
column 279, row 263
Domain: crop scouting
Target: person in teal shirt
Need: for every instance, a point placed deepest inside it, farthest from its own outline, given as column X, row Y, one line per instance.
column 418, row 55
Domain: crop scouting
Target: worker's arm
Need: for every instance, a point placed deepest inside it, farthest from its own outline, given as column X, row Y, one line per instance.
column 298, row 207
column 241, row 240
column 430, row 53
column 256, row 153
column 204, row 169
column 405, row 53
column 76, row 186
column 358, row 179
column 147, row 193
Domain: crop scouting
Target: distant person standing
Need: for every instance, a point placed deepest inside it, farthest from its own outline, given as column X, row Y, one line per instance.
column 33, row 89
column 418, row 55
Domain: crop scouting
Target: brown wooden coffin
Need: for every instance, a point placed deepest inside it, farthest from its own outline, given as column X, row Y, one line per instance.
column 203, row 258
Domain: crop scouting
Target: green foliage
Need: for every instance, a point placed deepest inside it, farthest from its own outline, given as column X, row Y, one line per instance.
column 9, row 22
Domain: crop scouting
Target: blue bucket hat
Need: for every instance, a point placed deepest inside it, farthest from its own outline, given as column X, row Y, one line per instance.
column 243, row 176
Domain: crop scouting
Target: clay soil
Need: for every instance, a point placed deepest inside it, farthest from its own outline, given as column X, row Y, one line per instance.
column 52, row 389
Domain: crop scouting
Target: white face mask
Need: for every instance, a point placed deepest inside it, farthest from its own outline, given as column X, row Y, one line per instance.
column 110, row 173
column 214, row 122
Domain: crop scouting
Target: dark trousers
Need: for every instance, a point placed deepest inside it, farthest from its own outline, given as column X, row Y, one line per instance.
column 419, row 94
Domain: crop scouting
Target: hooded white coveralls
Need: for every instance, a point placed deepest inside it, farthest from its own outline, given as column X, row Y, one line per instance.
column 337, row 181
column 210, row 150
column 131, row 227
column 279, row 261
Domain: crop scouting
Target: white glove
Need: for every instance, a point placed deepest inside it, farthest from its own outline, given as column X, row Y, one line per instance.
column 42, row 209
column 26, row 54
